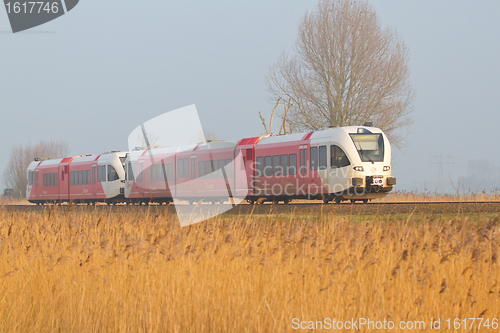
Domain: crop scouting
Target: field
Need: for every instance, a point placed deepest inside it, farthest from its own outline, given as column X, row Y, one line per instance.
column 93, row 270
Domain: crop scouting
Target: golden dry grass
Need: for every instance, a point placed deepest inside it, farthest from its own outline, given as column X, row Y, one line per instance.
column 410, row 196
column 132, row 271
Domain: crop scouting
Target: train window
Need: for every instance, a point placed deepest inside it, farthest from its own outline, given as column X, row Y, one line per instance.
column 88, row 177
column 268, row 166
column 62, row 175
column 130, row 172
column 228, row 167
column 80, row 177
column 370, row 146
column 322, row 158
column 293, row 164
column 208, row 169
column 276, row 165
column 36, row 178
column 193, row 168
column 338, row 158
column 44, row 177
column 314, row 158
column 71, row 178
column 159, row 173
column 301, row 161
column 284, row 165
column 201, row 169
column 101, row 173
column 170, row 171
column 186, row 168
column 100, row 177
column 55, row 178
column 93, row 175
column 222, row 164
column 305, row 160
column 215, row 168
column 140, row 177
column 153, row 172
column 180, row 167
column 260, row 166
column 112, row 174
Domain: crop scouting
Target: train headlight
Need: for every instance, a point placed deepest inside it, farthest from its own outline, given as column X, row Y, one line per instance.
column 358, row 168
column 387, row 168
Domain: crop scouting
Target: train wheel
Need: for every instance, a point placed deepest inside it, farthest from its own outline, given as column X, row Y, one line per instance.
column 353, row 201
column 338, row 200
column 326, row 200
column 365, row 201
column 286, row 201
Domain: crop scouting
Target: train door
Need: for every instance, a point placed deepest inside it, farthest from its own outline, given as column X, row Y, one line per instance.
column 302, row 179
column 93, row 185
column 37, row 190
column 140, row 178
column 243, row 171
column 63, row 182
column 338, row 174
column 317, row 169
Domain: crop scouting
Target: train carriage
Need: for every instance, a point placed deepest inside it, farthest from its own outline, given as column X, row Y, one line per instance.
column 81, row 178
column 332, row 164
column 192, row 173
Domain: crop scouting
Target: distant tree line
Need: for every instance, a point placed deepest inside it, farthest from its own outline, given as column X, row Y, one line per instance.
column 14, row 176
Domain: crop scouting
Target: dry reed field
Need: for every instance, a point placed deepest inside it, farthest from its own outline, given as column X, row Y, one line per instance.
column 139, row 271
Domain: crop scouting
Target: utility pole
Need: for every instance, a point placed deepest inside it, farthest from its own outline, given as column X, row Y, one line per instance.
column 441, row 163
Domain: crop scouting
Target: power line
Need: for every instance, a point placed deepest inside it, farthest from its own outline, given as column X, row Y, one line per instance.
column 441, row 163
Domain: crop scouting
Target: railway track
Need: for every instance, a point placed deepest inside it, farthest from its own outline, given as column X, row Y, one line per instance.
column 383, row 208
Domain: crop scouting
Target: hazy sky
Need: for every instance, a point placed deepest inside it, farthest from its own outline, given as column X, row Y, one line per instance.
column 93, row 75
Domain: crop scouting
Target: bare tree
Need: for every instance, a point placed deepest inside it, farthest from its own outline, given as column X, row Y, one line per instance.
column 346, row 70
column 284, row 119
column 21, row 156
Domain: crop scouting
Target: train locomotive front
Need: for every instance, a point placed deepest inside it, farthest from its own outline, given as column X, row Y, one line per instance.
column 358, row 166
column 335, row 164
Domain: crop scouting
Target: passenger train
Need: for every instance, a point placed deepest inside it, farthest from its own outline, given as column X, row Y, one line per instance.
column 335, row 164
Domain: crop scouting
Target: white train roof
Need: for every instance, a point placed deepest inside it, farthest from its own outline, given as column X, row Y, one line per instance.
column 325, row 133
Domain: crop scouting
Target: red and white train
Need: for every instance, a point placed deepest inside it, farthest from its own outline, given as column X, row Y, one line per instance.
column 337, row 164
column 81, row 178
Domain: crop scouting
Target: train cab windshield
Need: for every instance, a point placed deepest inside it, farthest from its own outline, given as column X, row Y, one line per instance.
column 370, row 147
